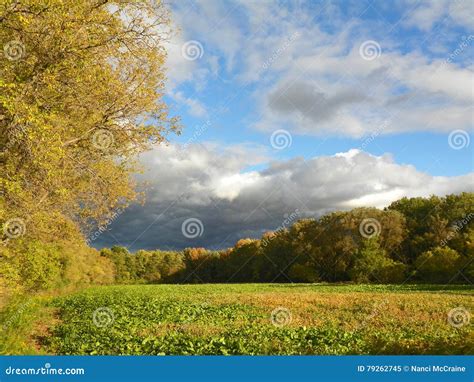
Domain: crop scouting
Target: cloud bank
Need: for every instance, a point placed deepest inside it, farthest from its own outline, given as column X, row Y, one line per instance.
column 223, row 189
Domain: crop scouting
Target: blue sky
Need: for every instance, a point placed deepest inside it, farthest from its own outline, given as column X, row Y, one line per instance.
column 418, row 34
column 308, row 105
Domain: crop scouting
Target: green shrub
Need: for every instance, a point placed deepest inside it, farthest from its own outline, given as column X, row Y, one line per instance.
column 437, row 266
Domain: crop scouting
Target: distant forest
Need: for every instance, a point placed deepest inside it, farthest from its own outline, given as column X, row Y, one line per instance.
column 413, row 240
column 417, row 239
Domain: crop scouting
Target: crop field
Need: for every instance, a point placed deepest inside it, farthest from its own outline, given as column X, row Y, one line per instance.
column 260, row 319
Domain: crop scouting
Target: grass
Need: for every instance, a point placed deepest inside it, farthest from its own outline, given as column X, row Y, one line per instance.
column 247, row 319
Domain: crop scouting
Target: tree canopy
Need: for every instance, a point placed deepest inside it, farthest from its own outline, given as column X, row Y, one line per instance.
column 81, row 93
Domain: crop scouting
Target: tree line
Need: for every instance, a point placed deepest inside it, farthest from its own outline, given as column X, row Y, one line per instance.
column 428, row 240
column 412, row 240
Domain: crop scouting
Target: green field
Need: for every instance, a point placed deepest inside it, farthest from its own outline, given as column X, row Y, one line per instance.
column 238, row 319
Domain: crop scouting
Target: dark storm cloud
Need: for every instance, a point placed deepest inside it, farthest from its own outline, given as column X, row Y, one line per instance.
column 211, row 185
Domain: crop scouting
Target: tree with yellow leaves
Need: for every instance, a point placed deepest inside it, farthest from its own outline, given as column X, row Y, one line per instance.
column 81, row 94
